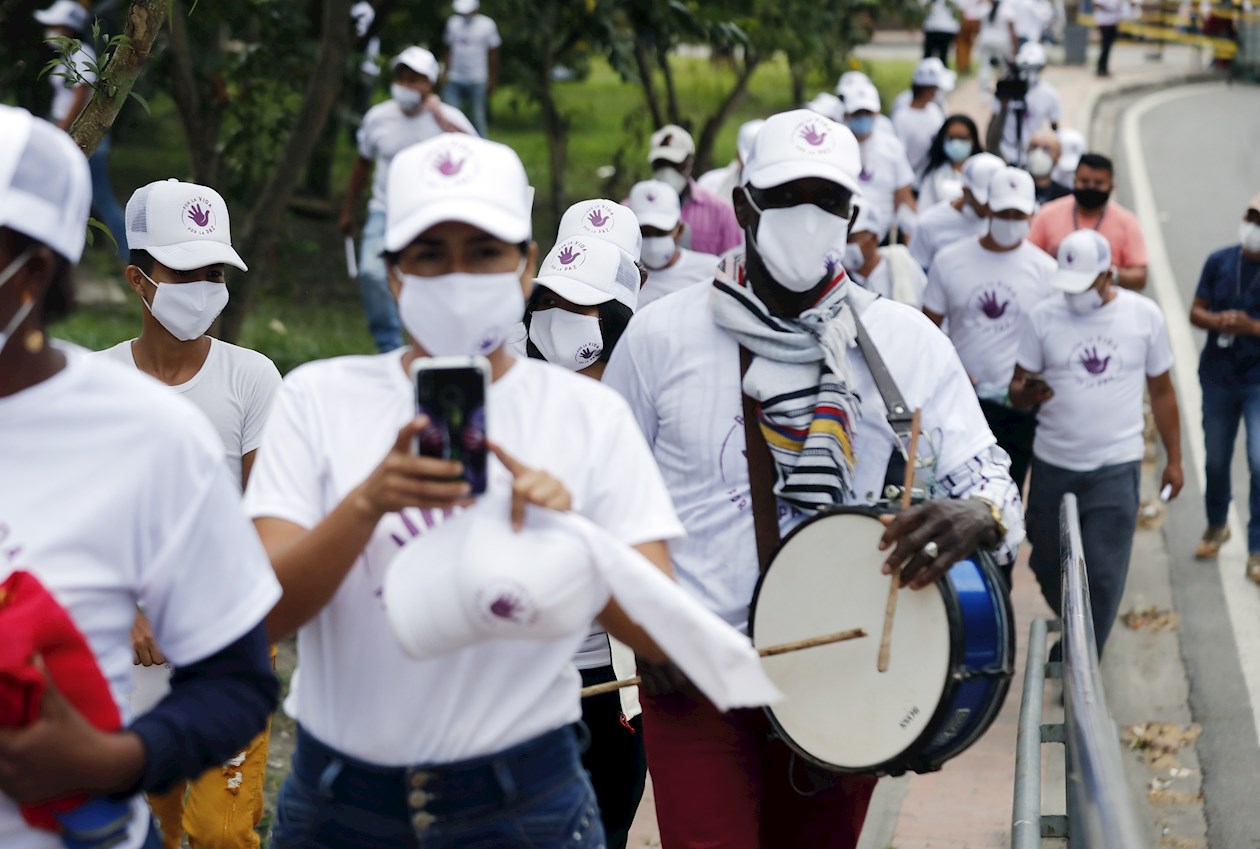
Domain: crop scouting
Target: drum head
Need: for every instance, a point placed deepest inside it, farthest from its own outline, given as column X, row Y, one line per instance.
column 839, row 710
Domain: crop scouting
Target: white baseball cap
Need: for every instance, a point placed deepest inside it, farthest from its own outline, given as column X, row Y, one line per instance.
column 655, row 204
column 850, row 80
column 181, row 225
column 932, row 72
column 798, row 144
column 45, row 186
column 1012, row 188
column 671, row 143
column 746, row 136
column 419, row 60
column 590, row 272
column 1031, row 55
column 456, row 177
column 65, row 13
column 868, row 220
column 978, row 173
column 465, row 7
column 1083, row 256
column 473, row 579
column 1254, row 203
column 1071, row 147
column 603, row 219
column 860, row 98
column 828, row 105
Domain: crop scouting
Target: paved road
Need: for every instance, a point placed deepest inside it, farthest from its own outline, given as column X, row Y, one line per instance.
column 1198, row 147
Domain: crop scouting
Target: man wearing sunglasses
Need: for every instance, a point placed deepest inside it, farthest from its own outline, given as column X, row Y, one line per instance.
column 789, row 304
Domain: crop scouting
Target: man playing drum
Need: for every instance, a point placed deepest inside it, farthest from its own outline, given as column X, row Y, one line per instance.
column 722, row 779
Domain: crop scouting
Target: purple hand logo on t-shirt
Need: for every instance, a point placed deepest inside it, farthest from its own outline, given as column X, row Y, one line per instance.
column 990, row 307
column 1093, row 363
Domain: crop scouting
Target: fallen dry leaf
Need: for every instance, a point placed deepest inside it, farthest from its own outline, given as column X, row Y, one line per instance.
column 1180, row 842
column 1159, row 741
column 1153, row 619
column 1172, row 797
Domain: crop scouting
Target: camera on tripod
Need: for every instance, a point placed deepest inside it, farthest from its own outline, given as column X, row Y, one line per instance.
column 1014, row 86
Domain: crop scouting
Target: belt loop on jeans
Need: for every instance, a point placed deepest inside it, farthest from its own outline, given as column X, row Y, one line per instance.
column 503, row 775
column 328, row 777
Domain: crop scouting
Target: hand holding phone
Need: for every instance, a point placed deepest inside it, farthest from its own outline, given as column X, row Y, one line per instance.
column 451, row 394
column 405, row 480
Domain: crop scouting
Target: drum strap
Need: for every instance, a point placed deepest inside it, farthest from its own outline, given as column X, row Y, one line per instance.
column 900, row 415
column 765, row 508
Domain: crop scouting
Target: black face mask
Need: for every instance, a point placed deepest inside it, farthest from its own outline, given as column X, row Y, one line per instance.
column 1091, row 198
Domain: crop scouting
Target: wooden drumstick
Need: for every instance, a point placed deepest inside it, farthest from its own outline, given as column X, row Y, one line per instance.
column 890, row 609
column 768, row 651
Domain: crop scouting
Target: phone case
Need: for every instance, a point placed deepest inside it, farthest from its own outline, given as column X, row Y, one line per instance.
column 452, row 392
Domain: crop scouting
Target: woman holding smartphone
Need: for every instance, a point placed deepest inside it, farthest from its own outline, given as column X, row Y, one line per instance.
column 476, row 747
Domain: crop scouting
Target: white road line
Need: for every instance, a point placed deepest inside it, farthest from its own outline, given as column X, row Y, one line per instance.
column 1242, row 598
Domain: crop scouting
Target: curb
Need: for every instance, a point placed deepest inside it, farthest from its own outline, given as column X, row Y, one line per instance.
column 1098, row 95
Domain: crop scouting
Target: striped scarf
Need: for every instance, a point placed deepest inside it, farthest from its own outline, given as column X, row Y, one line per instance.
column 801, row 379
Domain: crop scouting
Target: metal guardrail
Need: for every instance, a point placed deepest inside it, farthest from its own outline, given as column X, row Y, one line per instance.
column 1101, row 813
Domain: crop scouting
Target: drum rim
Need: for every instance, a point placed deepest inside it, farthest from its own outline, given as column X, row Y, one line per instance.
column 900, row 764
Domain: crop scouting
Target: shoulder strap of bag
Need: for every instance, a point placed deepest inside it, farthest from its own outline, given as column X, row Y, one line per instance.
column 765, row 507
column 900, row 415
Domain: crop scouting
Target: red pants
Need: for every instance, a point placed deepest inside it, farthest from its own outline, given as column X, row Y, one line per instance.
column 721, row 782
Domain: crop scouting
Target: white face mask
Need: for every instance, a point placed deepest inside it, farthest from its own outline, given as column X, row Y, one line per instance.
column 566, row 338
column 854, row 259
column 1084, row 302
column 187, row 310
column 793, row 243
column 1040, row 162
column 1006, row 233
column 672, row 178
column 658, row 251
column 461, row 315
column 1249, row 236
column 408, row 98
column 24, row 310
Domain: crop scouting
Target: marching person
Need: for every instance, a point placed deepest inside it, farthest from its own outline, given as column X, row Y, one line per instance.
column 472, row 61
column 720, row 182
column 1043, row 156
column 1091, row 206
column 886, row 176
column 670, row 266
column 918, row 123
column 486, row 754
column 157, row 522
column 985, row 287
column 1086, row 358
column 1016, row 119
column 965, row 217
column 724, row 779
column 1227, row 306
column 411, row 115
column 997, row 42
column 939, row 29
column 181, row 242
column 957, row 141
column 890, row 271
column 851, row 82
column 711, row 224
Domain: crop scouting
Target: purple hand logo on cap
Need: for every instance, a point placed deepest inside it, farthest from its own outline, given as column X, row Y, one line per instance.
column 199, row 216
column 597, row 218
column 568, row 256
column 448, row 167
column 812, row 136
column 1070, row 258
column 507, row 607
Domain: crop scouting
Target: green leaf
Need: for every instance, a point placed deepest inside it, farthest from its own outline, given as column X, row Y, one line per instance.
column 93, row 224
column 139, row 98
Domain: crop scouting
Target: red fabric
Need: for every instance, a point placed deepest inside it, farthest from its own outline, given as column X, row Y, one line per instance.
column 721, row 782
column 33, row 623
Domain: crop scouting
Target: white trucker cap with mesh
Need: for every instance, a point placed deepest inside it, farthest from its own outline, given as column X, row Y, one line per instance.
column 45, row 187
column 182, row 225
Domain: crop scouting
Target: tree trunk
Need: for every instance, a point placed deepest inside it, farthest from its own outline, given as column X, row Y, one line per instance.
column 708, row 135
column 144, row 21
column 647, row 80
column 200, row 117
column 259, row 234
column 671, row 91
column 796, row 71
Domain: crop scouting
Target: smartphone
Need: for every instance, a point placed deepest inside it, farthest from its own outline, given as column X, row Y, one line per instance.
column 451, row 392
column 1036, row 381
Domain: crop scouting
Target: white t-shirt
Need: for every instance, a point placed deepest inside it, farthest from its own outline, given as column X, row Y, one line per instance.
column 690, row 268
column 1043, row 108
column 917, row 128
column 333, row 422
column 386, row 130
column 64, row 90
column 984, row 295
column 1097, row 364
column 234, row 388
column 680, row 373
column 995, row 33
column 940, row 17
column 942, row 184
column 115, row 494
column 470, row 39
column 1031, row 17
column 1108, row 13
column 885, row 169
column 943, row 225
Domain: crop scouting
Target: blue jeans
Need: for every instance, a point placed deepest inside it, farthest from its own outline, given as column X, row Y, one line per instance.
column 532, row 795
column 1108, row 502
column 469, row 98
column 378, row 301
column 104, row 204
column 1224, row 406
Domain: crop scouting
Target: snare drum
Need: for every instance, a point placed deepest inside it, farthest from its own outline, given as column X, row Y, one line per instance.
column 951, row 654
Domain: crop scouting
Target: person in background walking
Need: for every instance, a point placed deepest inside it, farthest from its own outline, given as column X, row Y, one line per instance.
column 1107, row 15
column 71, row 80
column 472, row 61
column 972, row 13
column 1043, row 155
column 956, row 142
column 939, row 29
column 711, row 225
column 920, row 119
column 1227, row 306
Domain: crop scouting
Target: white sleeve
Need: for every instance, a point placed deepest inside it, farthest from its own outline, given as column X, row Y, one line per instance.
column 288, row 477
column 624, row 375
column 264, row 384
column 493, row 39
column 1159, row 356
column 905, row 171
column 920, row 248
column 207, row 581
column 447, row 35
column 1030, row 357
column 364, row 137
column 953, row 423
column 934, row 297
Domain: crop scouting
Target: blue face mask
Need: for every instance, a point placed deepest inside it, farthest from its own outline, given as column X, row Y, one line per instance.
column 861, row 125
column 957, row 149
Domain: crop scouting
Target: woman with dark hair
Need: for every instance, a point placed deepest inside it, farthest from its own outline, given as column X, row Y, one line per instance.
column 957, row 139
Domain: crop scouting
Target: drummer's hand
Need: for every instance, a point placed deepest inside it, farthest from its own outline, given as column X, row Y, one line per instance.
column 662, row 679
column 532, row 486
column 405, row 479
column 143, row 645
column 957, row 526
